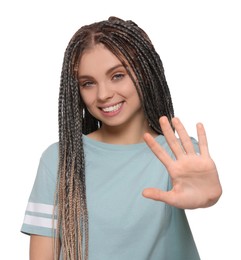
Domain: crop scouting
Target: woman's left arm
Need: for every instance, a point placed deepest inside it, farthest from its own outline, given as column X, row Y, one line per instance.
column 195, row 181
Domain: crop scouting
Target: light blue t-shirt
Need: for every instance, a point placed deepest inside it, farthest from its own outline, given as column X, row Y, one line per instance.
column 123, row 225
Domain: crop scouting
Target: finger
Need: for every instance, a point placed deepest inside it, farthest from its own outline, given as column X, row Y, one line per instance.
column 156, row 148
column 159, row 195
column 202, row 139
column 170, row 137
column 183, row 135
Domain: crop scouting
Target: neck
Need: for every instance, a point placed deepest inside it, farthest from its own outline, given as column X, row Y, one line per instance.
column 122, row 134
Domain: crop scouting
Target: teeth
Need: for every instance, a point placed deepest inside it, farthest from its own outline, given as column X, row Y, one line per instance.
column 112, row 108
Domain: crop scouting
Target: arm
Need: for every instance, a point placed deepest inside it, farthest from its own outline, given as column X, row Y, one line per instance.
column 41, row 248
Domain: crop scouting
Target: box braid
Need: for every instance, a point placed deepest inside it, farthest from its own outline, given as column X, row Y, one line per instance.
column 133, row 48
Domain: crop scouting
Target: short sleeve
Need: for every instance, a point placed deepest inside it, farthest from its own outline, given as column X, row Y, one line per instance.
column 39, row 216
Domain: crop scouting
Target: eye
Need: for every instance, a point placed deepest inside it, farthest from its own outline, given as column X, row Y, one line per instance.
column 118, row 76
column 86, row 84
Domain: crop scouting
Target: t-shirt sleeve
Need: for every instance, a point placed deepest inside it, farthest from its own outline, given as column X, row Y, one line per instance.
column 39, row 216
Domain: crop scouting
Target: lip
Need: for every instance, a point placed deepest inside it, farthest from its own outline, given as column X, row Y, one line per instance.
column 114, row 112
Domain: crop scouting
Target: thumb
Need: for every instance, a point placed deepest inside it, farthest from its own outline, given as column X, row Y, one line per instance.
column 156, row 194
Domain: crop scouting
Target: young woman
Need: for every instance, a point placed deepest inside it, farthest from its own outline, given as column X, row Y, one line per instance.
column 116, row 184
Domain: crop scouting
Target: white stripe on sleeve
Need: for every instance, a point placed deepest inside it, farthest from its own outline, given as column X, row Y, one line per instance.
column 40, row 208
column 39, row 221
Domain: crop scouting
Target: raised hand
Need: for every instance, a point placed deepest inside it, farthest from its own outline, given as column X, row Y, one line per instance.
column 195, row 182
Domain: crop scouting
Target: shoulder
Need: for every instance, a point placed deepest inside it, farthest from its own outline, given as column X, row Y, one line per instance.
column 50, row 151
column 163, row 142
column 50, row 155
column 195, row 144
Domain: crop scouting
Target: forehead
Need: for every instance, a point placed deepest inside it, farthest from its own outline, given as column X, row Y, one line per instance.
column 97, row 58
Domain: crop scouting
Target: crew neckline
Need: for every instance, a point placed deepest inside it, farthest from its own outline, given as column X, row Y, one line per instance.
column 89, row 141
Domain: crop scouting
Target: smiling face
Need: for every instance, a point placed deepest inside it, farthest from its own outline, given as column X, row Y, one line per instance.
column 108, row 91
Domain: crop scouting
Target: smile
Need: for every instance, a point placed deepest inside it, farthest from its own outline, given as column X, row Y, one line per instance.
column 112, row 108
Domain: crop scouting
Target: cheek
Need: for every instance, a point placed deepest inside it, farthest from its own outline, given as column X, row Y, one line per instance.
column 86, row 97
column 132, row 92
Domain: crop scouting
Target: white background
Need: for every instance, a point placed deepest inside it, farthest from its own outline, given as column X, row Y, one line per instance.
column 199, row 43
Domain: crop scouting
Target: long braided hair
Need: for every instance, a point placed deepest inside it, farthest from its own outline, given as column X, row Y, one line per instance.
column 133, row 48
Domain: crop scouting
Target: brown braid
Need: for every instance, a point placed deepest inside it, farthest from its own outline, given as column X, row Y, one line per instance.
column 133, row 48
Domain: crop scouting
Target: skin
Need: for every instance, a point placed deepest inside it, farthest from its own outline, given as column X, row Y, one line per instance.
column 105, row 85
column 194, row 176
column 41, row 248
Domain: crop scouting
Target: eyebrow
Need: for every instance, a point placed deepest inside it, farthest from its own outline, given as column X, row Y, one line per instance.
column 107, row 72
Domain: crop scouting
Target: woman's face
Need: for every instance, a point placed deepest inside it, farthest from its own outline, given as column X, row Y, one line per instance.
column 107, row 90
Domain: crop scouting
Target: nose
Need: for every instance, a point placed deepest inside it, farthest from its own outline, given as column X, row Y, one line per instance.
column 105, row 92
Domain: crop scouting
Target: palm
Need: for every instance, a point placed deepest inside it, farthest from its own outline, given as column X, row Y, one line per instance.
column 195, row 181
